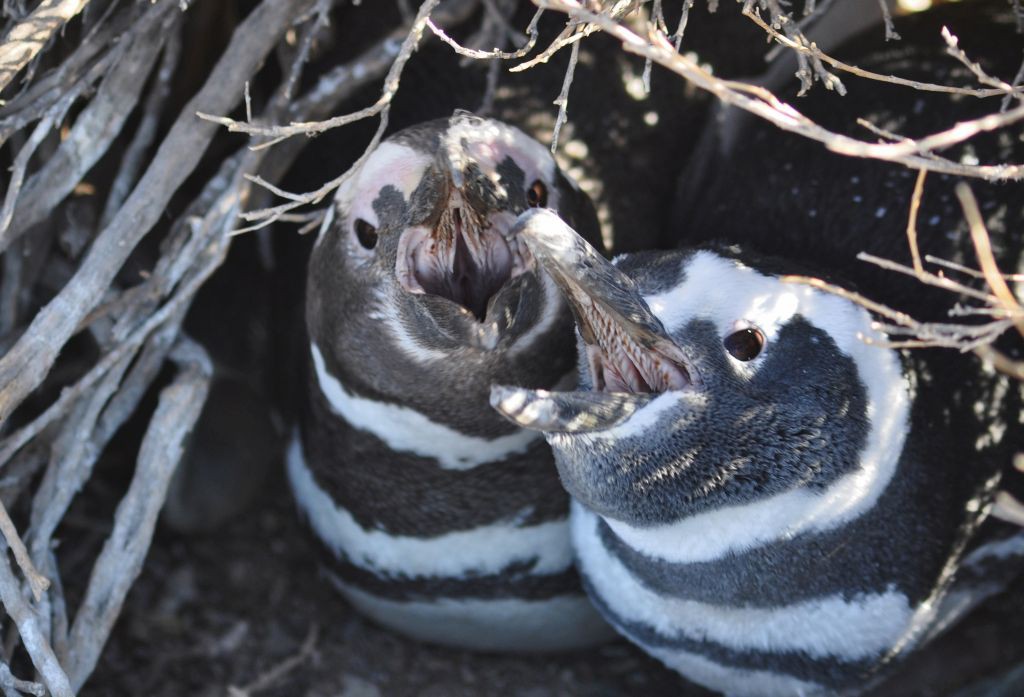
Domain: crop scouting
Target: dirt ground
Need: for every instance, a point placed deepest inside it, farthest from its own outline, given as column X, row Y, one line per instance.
column 245, row 612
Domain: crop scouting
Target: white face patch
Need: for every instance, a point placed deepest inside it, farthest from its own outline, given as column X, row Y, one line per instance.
column 726, row 293
column 734, row 296
column 391, row 164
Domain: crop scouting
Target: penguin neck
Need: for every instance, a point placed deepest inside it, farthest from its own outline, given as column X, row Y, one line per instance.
column 405, row 429
column 373, row 458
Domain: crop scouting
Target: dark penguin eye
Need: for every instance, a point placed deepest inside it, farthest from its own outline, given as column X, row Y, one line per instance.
column 745, row 344
column 537, row 195
column 366, row 233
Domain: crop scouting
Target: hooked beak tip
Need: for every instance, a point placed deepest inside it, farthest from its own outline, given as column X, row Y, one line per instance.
column 545, row 233
column 518, row 405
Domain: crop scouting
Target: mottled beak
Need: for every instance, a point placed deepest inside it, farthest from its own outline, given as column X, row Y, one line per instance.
column 628, row 349
column 629, row 355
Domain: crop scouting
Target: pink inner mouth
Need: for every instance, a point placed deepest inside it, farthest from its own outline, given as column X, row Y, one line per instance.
column 618, row 363
column 466, row 259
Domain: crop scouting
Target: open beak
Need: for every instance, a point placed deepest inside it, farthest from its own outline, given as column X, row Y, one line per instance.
column 466, row 257
column 630, row 356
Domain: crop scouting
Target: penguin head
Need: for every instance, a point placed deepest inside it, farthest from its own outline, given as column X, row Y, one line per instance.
column 706, row 383
column 416, row 266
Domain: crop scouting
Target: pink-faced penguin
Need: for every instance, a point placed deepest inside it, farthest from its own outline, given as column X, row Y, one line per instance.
column 442, row 520
column 767, row 498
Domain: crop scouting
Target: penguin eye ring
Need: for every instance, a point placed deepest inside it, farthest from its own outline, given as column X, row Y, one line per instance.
column 537, row 195
column 745, row 344
column 365, row 233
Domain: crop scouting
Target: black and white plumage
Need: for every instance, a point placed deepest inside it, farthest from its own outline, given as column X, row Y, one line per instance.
column 763, row 501
column 446, row 523
column 763, row 526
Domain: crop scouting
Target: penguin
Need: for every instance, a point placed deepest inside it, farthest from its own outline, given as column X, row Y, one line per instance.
column 442, row 521
column 767, row 496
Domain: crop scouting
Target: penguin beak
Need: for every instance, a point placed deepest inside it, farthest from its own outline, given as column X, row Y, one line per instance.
column 565, row 412
column 628, row 349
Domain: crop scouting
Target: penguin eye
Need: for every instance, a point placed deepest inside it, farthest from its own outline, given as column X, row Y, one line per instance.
column 365, row 233
column 745, row 344
column 537, row 195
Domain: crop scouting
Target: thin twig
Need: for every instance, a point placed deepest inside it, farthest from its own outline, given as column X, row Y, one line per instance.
column 915, row 205
column 563, row 97
column 761, row 102
column 927, row 277
column 477, row 54
column 80, row 67
column 811, row 49
column 1016, row 84
column 953, row 49
column 274, row 675
column 987, row 261
column 279, row 133
column 1001, row 361
column 890, row 31
column 1015, row 277
column 684, row 19
column 569, row 36
column 42, row 129
column 266, row 216
column 94, row 131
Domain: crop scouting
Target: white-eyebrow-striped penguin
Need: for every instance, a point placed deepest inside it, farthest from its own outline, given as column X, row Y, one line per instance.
column 762, row 500
column 444, row 521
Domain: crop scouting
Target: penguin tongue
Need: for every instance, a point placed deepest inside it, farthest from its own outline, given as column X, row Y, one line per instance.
column 628, row 349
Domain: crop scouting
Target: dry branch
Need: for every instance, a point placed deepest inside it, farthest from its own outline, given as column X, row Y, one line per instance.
column 916, row 154
column 23, row 368
column 810, row 49
column 915, row 205
column 121, row 559
column 454, row 11
column 983, row 248
column 13, row 687
column 86, row 65
column 30, row 627
column 36, row 581
column 133, row 159
column 999, row 303
column 278, row 133
column 31, row 34
column 95, row 128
